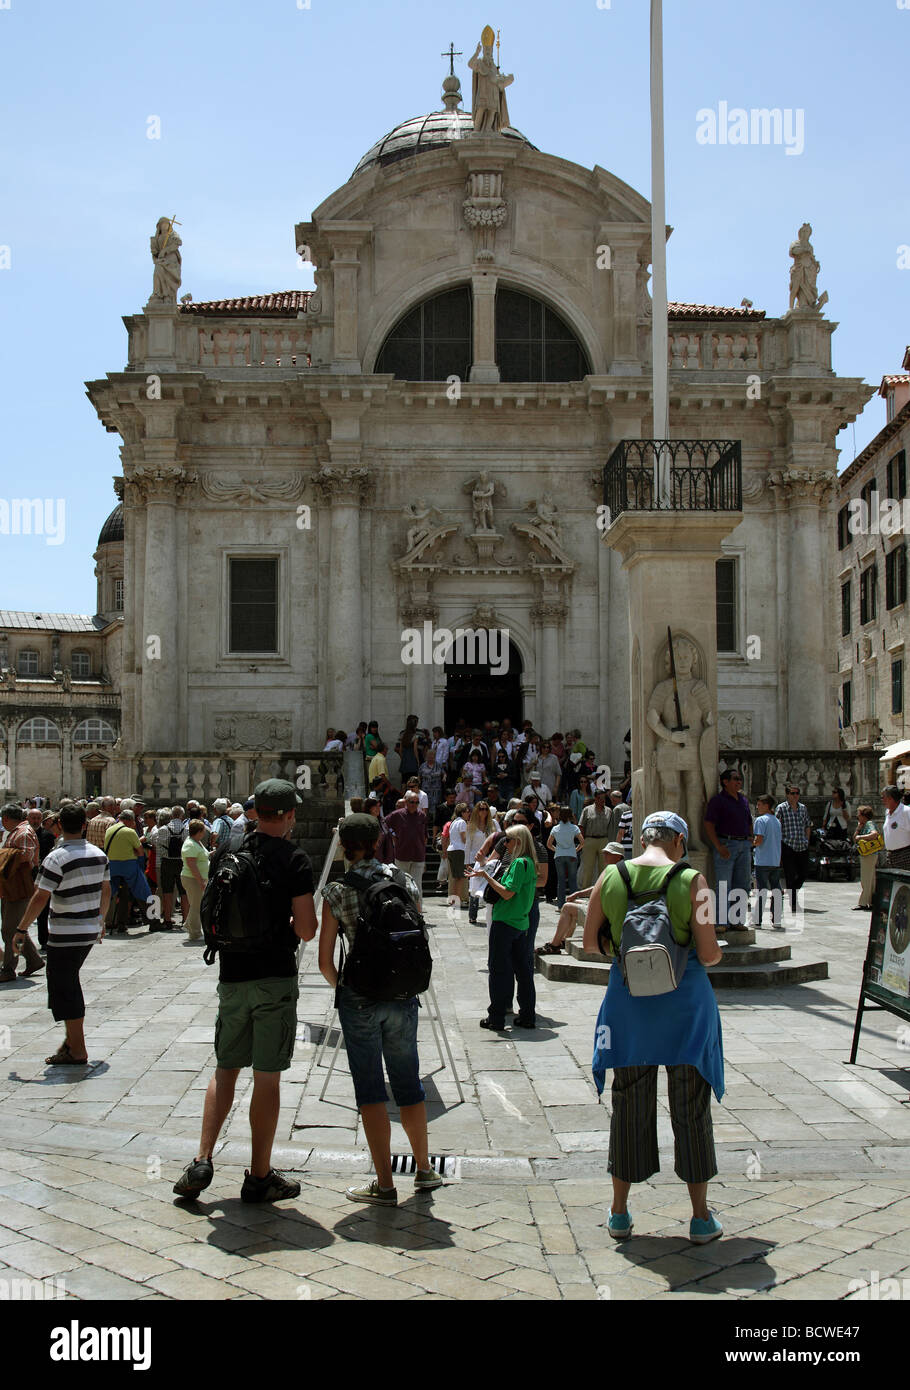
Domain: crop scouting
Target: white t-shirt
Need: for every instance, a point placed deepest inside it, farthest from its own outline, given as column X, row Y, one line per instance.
column 442, row 752
column 541, row 791
column 897, row 827
column 334, row 745
column 458, row 830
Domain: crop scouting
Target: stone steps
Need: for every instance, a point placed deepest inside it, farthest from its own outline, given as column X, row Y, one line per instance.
column 749, row 968
column 733, row 955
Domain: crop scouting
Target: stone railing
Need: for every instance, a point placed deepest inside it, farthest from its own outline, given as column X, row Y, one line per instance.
column 167, row 779
column 253, row 347
column 816, row 772
column 706, row 349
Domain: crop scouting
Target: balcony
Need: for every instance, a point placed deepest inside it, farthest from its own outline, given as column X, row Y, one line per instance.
column 648, row 475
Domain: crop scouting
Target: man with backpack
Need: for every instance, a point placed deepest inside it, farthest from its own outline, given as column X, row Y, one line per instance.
column 168, row 845
column 386, row 964
column 257, row 905
column 653, row 915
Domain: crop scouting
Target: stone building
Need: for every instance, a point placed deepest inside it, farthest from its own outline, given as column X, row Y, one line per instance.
column 419, row 444
column 59, row 688
column 869, row 561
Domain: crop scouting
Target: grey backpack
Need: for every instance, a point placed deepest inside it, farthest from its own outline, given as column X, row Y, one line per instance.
column 651, row 960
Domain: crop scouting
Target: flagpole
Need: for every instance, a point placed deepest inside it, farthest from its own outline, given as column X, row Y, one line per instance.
column 659, row 331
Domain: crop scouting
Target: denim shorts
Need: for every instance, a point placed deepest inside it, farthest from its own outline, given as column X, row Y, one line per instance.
column 373, row 1030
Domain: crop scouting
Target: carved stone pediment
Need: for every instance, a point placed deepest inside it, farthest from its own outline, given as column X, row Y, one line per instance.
column 544, row 549
column 422, row 553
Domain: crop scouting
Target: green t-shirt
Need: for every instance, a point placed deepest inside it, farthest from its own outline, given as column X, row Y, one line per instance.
column 120, row 842
column 647, row 878
column 521, row 878
column 192, row 849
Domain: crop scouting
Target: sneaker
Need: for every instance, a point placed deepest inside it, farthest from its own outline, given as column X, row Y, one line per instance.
column 495, row 1027
column 620, row 1225
column 274, row 1187
column 426, row 1181
column 195, row 1178
column 701, row 1232
column 379, row 1196
column 519, row 1022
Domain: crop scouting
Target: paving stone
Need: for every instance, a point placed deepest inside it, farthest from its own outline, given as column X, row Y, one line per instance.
column 99, row 1285
column 280, row 1283
column 38, row 1259
column 127, row 1260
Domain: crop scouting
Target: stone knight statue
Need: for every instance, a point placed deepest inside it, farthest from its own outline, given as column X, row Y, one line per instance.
column 488, row 106
column 166, row 256
column 683, row 758
column 804, row 273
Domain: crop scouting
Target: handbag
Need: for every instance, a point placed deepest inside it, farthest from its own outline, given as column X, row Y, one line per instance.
column 870, row 844
column 489, row 893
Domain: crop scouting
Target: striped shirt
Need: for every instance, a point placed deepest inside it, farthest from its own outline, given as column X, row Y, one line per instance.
column 73, row 875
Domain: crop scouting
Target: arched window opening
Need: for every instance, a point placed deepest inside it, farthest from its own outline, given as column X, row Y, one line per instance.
column 433, row 341
column 533, row 343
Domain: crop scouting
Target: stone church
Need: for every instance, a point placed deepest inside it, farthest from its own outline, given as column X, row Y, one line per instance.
column 419, row 444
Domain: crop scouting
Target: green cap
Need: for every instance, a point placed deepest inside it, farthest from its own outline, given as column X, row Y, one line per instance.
column 360, row 827
column 276, row 795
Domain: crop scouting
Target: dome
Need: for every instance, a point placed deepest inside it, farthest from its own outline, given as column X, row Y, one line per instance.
column 421, row 133
column 112, row 530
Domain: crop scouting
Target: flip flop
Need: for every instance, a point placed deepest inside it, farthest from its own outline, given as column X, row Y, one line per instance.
column 64, row 1058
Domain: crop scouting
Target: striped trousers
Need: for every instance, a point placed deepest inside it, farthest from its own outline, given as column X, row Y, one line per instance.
column 633, row 1124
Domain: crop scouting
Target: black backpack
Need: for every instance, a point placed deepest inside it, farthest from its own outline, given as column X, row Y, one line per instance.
column 175, row 839
column 236, row 909
column 390, row 957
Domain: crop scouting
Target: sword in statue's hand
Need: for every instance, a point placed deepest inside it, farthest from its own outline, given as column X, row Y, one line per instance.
column 679, row 726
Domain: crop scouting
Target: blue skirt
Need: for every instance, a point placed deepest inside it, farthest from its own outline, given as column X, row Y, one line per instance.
column 665, row 1030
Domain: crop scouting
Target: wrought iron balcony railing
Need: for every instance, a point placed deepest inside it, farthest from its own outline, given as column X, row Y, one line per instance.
column 700, row 475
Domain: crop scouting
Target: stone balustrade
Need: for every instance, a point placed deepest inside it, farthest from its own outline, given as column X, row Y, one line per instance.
column 167, row 779
column 237, row 345
column 815, row 771
column 712, row 348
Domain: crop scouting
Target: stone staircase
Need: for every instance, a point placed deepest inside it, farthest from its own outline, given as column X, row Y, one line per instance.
column 745, row 965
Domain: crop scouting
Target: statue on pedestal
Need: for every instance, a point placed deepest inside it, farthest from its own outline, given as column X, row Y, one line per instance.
column 483, row 490
column 683, row 760
column 165, row 246
column 804, row 273
column 488, row 106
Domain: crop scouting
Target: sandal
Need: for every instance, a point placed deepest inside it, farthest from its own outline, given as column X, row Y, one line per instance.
column 548, row 950
column 64, row 1058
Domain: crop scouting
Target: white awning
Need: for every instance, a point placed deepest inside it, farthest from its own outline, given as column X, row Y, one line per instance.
column 897, row 750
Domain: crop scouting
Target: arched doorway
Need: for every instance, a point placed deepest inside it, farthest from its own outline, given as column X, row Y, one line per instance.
column 475, row 693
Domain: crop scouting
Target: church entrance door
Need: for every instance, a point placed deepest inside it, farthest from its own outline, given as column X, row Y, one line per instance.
column 475, row 693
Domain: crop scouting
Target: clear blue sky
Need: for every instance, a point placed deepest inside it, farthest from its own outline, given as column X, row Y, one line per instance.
column 265, row 109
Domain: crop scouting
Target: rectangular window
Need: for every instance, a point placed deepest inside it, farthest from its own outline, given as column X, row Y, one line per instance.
column 897, row 687
column 253, row 606
column 118, row 595
column 846, row 605
column 81, row 665
column 725, row 590
column 28, row 663
column 867, row 606
column 896, row 577
column 866, row 492
column 846, row 704
column 843, row 530
column 897, row 476
column 870, row 695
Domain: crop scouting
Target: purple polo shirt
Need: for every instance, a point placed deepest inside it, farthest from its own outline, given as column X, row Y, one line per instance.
column 728, row 816
column 410, row 828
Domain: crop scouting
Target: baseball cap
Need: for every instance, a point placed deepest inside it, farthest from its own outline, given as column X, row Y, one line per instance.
column 360, row 827
column 275, row 795
column 249, row 803
column 669, row 820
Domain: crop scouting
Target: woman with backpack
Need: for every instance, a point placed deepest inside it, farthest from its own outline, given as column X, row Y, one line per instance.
column 511, row 950
column 678, row 1029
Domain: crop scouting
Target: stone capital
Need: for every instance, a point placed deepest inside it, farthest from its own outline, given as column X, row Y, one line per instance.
column 801, row 485
column 549, row 612
column 158, row 482
column 335, row 485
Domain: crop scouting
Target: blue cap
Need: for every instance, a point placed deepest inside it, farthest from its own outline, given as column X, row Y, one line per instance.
column 669, row 820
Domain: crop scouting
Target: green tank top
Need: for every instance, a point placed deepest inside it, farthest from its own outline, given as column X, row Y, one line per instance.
column 647, row 878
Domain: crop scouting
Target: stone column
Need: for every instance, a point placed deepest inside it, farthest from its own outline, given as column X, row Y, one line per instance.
column 811, row 714
column 484, row 367
column 68, row 785
column 670, row 561
column 420, row 677
column 342, row 490
column 549, row 614
column 346, row 239
column 12, row 731
column 624, row 254
column 159, row 486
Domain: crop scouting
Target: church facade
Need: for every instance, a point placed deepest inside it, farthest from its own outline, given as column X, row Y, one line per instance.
column 312, row 481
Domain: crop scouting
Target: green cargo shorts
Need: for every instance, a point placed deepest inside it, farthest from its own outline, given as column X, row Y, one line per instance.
column 256, row 1023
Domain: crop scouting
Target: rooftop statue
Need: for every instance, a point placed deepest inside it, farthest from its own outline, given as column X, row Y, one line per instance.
column 489, row 108
column 804, row 273
column 166, row 255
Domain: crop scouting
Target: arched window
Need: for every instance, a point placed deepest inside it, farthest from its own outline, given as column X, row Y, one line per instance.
column 533, row 343
column 81, row 665
column 94, row 731
column 39, row 730
column 432, row 341
column 28, row 662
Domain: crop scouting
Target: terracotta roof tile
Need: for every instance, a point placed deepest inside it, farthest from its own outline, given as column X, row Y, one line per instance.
column 283, row 304
column 712, row 311
column 894, row 379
